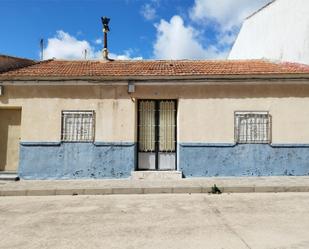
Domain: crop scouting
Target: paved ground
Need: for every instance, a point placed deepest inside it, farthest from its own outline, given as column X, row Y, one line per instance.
column 228, row 221
column 128, row 186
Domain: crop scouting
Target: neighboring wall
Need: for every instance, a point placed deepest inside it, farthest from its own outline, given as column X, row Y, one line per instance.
column 205, row 129
column 280, row 31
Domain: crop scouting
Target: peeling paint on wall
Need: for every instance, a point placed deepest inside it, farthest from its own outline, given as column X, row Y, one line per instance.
column 76, row 160
column 208, row 160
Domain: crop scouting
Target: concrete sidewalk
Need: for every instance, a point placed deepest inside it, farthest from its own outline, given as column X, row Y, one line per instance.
column 127, row 186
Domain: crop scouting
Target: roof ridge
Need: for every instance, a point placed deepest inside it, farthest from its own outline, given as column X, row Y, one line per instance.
column 260, row 9
column 45, row 61
column 154, row 60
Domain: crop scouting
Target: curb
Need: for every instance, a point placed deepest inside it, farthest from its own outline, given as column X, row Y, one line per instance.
column 153, row 190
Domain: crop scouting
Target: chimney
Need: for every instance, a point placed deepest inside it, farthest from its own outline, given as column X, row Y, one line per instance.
column 105, row 20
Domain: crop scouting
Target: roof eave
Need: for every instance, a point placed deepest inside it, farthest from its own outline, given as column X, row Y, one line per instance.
column 264, row 76
column 260, row 9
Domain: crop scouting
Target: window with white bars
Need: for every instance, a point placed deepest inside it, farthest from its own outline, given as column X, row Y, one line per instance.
column 77, row 126
column 252, row 127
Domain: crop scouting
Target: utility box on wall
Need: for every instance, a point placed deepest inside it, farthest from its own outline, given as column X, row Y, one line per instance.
column 131, row 87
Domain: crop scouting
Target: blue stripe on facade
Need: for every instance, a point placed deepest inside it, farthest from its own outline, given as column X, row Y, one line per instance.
column 54, row 160
column 207, row 160
column 40, row 160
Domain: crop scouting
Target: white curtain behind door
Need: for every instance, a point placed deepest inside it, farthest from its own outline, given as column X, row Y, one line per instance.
column 167, row 126
column 147, row 126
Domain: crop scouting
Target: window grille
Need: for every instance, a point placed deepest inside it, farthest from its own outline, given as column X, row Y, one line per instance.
column 252, row 127
column 77, row 126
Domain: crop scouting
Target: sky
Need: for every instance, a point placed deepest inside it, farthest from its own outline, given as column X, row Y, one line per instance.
column 139, row 29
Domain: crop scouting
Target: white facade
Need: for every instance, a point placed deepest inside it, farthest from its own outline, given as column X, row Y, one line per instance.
column 279, row 31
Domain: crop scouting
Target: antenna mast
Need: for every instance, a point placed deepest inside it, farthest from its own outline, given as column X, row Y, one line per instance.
column 42, row 48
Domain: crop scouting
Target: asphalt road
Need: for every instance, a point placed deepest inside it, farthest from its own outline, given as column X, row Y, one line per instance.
column 270, row 221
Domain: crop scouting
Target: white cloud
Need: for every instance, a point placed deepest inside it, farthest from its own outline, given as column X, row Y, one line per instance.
column 148, row 12
column 65, row 46
column 226, row 38
column 127, row 55
column 177, row 41
column 227, row 13
column 98, row 41
column 225, row 17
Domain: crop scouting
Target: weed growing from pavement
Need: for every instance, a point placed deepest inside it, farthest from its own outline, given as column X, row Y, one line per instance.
column 215, row 190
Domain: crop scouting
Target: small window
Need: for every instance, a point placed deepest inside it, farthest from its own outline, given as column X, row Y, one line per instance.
column 252, row 127
column 77, row 126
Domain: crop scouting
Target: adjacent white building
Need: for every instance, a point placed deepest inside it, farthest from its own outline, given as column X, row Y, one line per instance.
column 279, row 31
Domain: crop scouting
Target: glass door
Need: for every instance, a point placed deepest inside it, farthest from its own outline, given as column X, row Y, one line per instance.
column 157, row 135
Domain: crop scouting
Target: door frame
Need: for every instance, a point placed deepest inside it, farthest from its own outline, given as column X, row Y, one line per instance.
column 20, row 110
column 157, row 123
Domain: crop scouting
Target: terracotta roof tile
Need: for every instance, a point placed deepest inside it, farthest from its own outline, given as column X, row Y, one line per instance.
column 63, row 69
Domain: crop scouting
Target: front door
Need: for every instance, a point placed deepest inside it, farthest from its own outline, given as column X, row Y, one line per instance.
column 10, row 120
column 157, row 134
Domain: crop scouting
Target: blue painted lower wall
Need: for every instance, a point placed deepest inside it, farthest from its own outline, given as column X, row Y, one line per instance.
column 117, row 160
column 76, row 160
column 198, row 160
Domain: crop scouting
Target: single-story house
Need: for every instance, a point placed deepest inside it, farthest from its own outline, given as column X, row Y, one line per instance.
column 64, row 119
